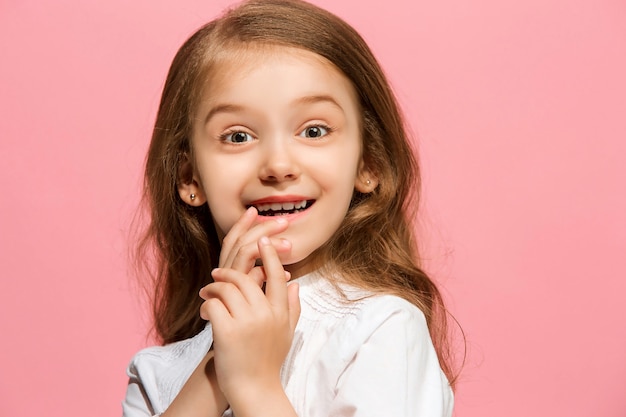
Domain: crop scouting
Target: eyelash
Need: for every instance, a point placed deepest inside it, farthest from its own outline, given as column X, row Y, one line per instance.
column 224, row 137
column 322, row 126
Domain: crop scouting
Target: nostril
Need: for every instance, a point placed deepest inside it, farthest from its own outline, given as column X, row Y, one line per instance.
column 279, row 163
column 274, row 175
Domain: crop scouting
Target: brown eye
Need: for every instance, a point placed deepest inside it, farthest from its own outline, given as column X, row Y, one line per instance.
column 314, row 132
column 238, row 137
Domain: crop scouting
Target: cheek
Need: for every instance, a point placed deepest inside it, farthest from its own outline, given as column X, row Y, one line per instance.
column 222, row 176
column 224, row 216
column 340, row 159
column 220, row 213
column 223, row 191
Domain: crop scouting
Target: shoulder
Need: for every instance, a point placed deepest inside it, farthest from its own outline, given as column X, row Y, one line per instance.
column 389, row 315
column 366, row 310
column 342, row 300
column 171, row 354
column 381, row 308
column 161, row 371
column 377, row 358
column 351, row 316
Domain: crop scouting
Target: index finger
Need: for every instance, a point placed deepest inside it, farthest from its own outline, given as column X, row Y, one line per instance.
column 275, row 284
column 239, row 228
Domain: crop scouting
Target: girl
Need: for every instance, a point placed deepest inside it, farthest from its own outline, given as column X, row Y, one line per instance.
column 278, row 155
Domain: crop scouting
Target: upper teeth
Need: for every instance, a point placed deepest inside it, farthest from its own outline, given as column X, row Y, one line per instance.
column 281, row 206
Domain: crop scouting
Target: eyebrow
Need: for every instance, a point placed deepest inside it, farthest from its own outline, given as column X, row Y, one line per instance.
column 318, row 99
column 222, row 108
column 235, row 108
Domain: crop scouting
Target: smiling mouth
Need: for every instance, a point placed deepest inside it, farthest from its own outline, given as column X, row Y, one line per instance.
column 283, row 209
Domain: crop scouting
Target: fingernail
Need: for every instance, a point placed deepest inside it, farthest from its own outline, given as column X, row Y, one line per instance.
column 285, row 242
column 281, row 221
column 287, row 275
column 265, row 240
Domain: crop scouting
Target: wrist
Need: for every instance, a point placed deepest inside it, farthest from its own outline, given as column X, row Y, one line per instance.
column 209, row 370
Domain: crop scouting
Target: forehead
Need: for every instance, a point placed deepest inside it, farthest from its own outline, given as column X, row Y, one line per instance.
column 237, row 70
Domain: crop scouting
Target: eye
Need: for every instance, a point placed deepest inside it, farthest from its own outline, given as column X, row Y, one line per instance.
column 236, row 137
column 315, row 131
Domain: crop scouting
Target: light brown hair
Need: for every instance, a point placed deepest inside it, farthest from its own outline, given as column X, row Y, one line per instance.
column 374, row 248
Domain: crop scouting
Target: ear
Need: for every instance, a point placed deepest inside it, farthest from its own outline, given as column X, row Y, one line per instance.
column 189, row 186
column 366, row 181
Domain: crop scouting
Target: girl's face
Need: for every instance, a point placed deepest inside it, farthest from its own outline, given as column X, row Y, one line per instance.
column 279, row 129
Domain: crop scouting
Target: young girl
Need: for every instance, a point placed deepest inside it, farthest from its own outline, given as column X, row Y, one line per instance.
column 282, row 188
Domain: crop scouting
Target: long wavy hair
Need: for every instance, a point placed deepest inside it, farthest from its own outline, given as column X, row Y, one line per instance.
column 374, row 248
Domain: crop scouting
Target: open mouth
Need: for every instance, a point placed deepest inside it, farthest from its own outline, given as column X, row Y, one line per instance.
column 283, row 209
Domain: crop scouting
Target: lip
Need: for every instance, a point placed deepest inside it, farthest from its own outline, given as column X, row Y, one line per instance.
column 279, row 199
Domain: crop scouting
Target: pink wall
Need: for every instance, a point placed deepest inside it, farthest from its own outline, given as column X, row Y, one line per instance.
column 520, row 108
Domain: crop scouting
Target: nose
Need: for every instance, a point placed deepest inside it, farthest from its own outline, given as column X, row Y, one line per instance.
column 279, row 161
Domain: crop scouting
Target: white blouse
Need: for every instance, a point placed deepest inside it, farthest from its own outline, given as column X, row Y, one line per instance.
column 361, row 357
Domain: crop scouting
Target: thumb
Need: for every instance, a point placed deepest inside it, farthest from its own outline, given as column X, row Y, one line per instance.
column 293, row 299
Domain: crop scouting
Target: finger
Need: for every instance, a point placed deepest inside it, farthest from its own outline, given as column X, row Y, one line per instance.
column 293, row 297
column 257, row 275
column 230, row 296
column 214, row 311
column 276, row 286
column 247, row 255
column 239, row 228
column 242, row 251
column 246, row 286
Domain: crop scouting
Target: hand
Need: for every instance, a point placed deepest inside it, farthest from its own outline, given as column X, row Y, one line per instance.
column 239, row 248
column 202, row 393
column 252, row 330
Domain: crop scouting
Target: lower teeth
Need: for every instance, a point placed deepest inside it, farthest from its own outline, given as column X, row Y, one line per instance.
column 280, row 213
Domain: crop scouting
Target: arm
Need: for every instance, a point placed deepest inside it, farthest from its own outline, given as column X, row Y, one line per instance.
column 200, row 396
column 158, row 374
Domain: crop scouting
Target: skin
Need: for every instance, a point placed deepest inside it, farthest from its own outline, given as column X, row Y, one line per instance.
column 281, row 126
column 247, row 320
column 254, row 144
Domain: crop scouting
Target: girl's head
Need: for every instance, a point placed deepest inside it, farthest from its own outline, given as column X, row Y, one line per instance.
column 212, row 72
column 272, row 70
column 277, row 128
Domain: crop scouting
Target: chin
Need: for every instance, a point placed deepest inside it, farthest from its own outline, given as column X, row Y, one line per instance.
column 299, row 265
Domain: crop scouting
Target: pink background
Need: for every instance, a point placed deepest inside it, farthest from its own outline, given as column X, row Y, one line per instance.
column 520, row 110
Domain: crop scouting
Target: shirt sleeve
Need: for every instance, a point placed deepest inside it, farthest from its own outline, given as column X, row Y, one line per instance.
column 157, row 374
column 395, row 371
column 136, row 403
